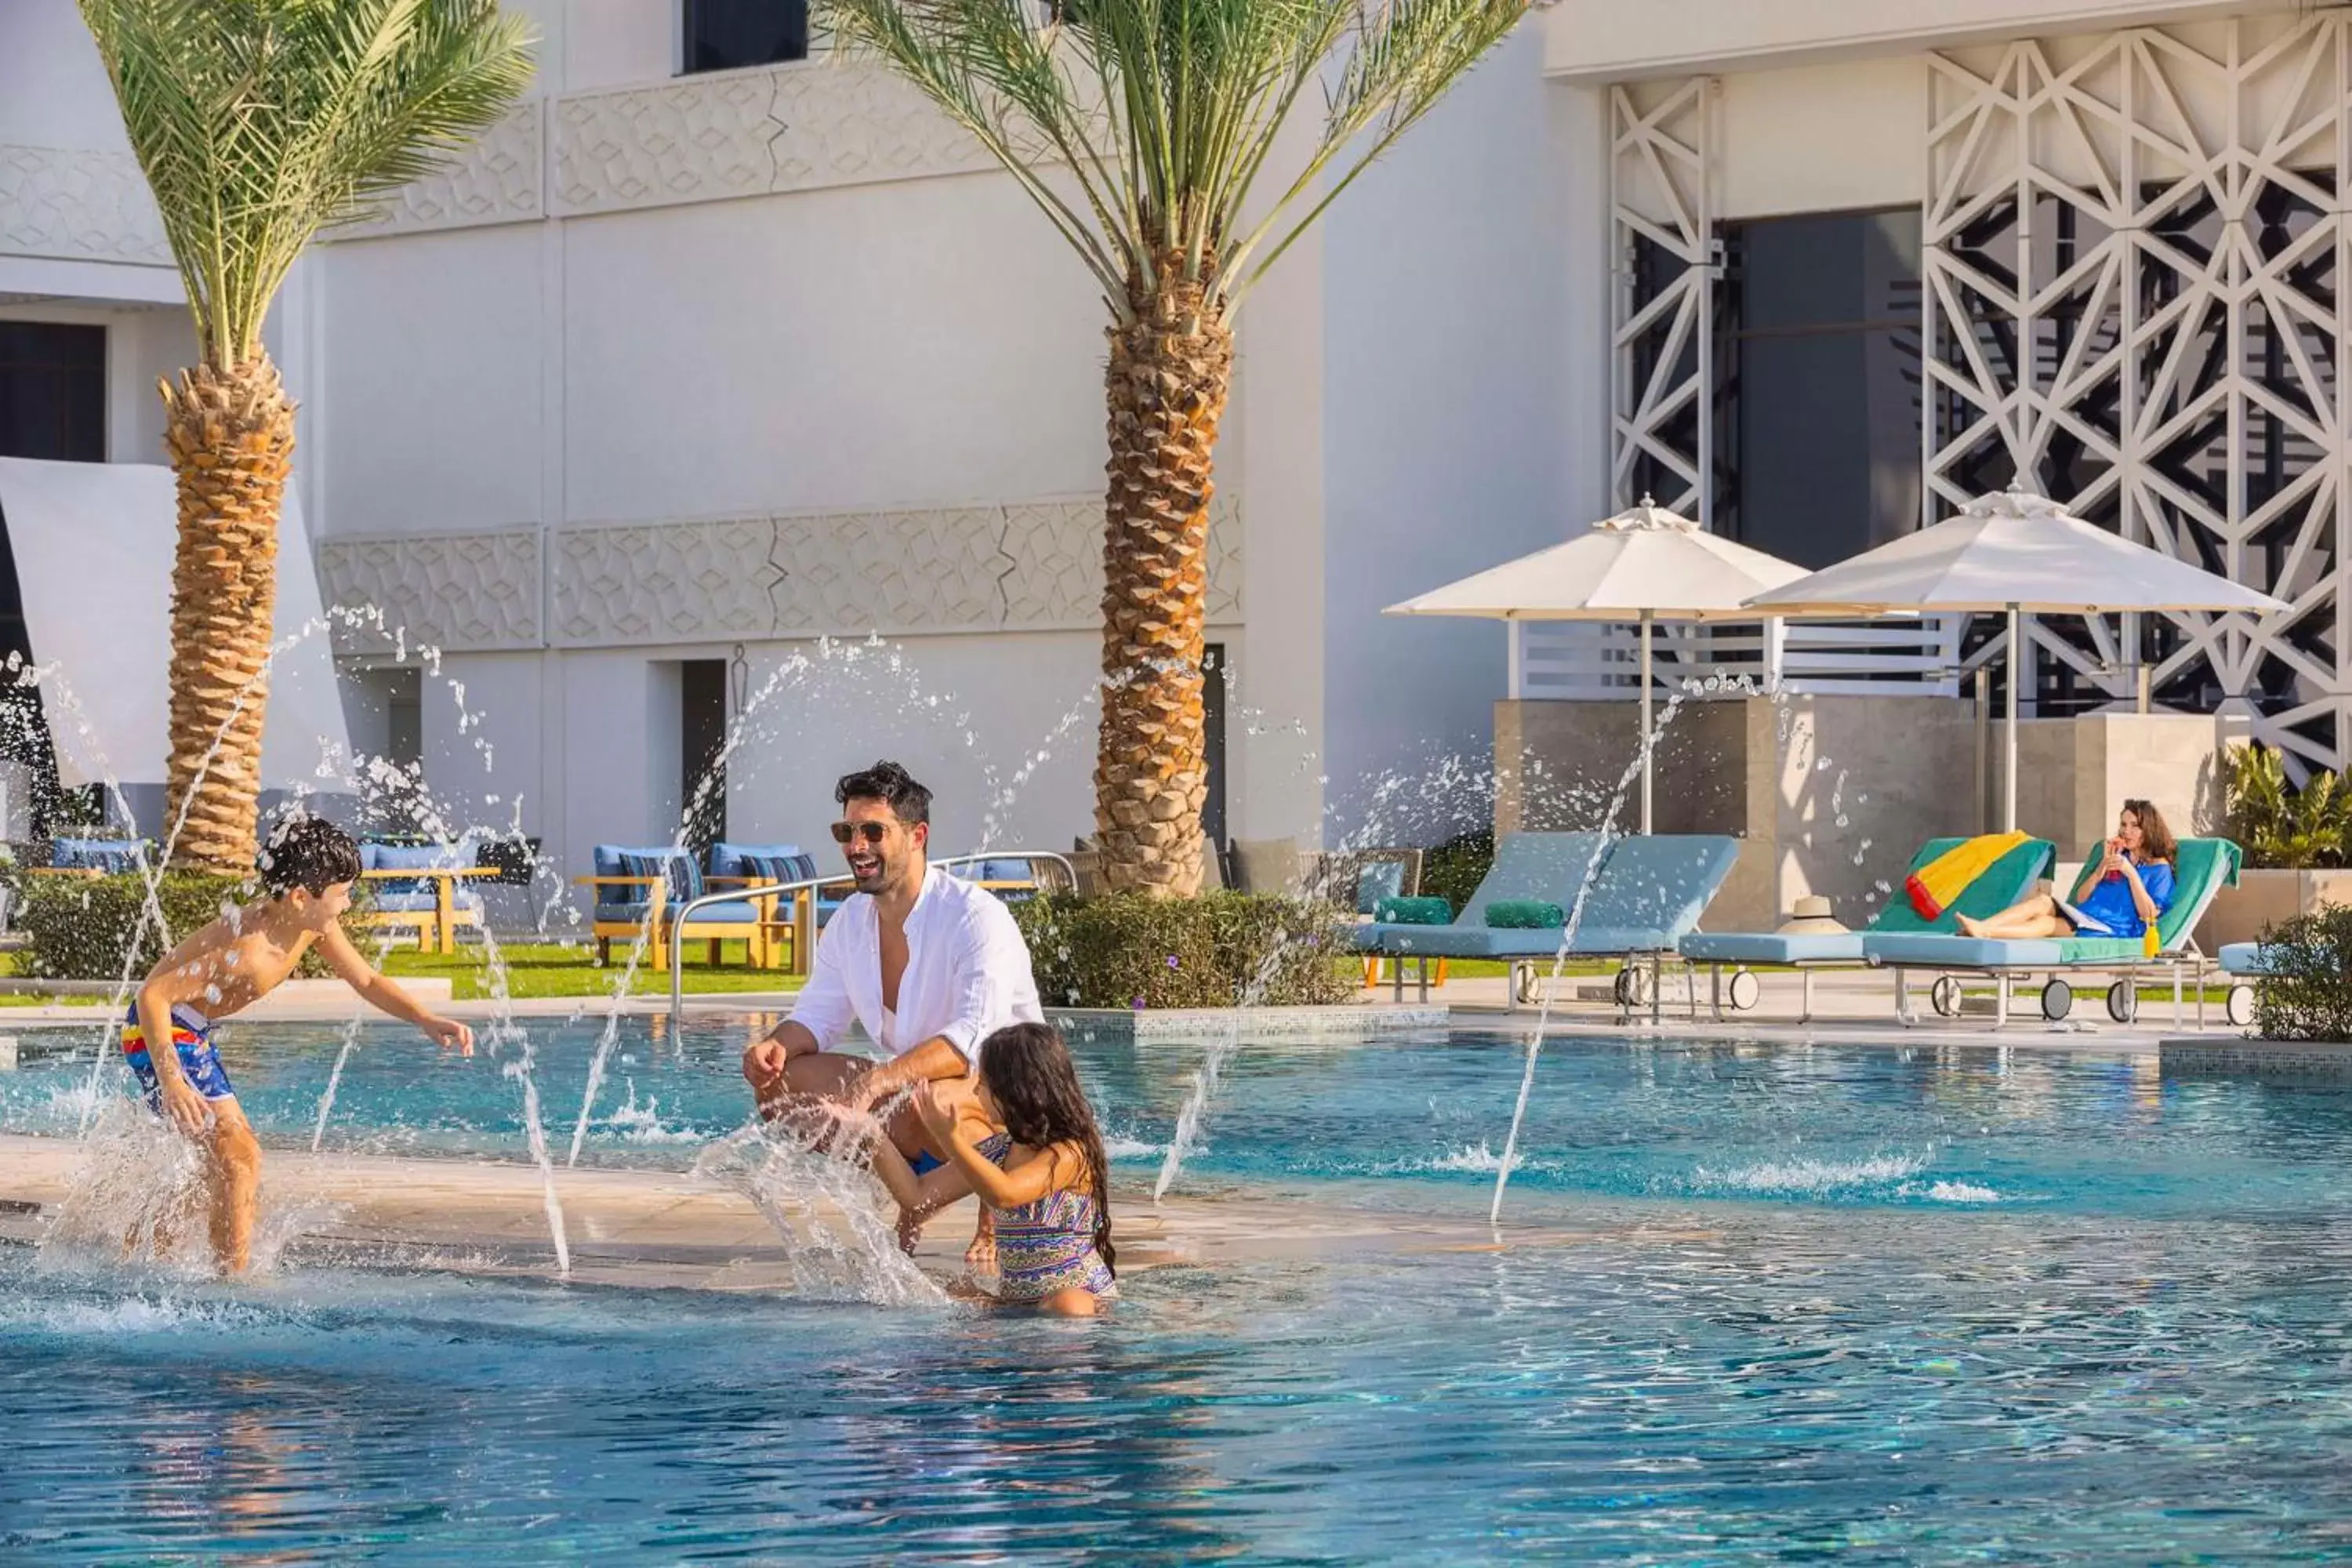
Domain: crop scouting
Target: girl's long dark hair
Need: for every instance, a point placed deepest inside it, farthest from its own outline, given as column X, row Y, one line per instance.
column 1029, row 1074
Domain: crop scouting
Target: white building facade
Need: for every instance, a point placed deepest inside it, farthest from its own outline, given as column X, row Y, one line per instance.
column 680, row 373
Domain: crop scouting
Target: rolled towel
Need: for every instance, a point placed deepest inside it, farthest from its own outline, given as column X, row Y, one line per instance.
column 1525, row 914
column 1414, row 912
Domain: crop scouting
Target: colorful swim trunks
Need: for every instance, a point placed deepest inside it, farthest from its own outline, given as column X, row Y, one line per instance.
column 192, row 1037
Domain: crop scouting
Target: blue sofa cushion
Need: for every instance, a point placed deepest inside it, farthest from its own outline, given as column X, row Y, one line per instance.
column 462, row 899
column 732, row 911
column 683, row 878
column 112, row 855
column 1934, row 950
column 792, row 867
column 1764, row 947
column 729, row 859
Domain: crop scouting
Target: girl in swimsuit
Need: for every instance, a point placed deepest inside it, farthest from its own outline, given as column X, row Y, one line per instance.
column 1042, row 1176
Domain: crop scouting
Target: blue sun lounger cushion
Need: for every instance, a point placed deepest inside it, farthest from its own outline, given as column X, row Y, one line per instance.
column 1999, row 885
column 1378, row 882
column 1551, row 866
column 1430, row 912
column 1651, row 891
column 2202, row 868
column 1525, row 914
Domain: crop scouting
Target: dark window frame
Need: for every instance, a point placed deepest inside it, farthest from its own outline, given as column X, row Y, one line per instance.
column 701, row 54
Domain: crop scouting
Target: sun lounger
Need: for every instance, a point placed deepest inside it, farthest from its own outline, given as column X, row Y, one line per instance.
column 1999, row 885
column 1646, row 893
column 2204, row 868
column 1548, row 866
column 2245, row 963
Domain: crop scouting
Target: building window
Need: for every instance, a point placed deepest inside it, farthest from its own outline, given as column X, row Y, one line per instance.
column 729, row 34
column 1820, row 383
column 53, row 391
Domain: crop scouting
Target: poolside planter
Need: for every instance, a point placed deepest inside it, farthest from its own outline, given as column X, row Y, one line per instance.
column 2267, row 898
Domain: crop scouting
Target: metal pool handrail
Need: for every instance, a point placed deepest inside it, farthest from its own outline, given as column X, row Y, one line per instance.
column 733, row 895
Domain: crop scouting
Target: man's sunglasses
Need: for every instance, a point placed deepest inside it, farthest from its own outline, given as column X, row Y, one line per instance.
column 872, row 832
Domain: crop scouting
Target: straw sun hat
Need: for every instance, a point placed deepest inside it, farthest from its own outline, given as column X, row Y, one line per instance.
column 1812, row 918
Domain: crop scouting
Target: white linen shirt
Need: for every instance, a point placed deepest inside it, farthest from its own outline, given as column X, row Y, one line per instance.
column 967, row 974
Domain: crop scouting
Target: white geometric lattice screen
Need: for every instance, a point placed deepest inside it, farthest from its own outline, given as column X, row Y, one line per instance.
column 2133, row 257
column 1662, row 236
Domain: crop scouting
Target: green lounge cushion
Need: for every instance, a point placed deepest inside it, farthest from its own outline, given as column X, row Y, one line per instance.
column 1525, row 914
column 1414, row 912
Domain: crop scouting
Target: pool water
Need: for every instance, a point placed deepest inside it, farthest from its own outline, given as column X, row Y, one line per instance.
column 1900, row 1306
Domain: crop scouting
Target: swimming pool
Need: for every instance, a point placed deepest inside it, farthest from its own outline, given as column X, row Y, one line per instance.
column 1921, row 1306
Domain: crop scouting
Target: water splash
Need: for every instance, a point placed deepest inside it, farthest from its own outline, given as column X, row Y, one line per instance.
column 344, row 1055
column 837, row 1242
column 1601, row 841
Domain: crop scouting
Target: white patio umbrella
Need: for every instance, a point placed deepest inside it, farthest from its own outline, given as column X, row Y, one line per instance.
column 1643, row 566
column 2013, row 553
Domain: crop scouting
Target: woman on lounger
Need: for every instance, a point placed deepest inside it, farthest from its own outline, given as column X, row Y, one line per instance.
column 2122, row 892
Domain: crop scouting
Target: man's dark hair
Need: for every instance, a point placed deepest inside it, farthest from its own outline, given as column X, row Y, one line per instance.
column 307, row 852
column 893, row 786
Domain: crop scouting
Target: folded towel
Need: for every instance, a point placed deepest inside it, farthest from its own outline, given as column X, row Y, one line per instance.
column 1935, row 887
column 1525, row 914
column 1414, row 912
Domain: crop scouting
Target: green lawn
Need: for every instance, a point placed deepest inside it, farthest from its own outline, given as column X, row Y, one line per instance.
column 1496, row 968
column 566, row 969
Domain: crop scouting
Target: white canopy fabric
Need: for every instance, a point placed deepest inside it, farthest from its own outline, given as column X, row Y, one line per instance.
column 93, row 549
column 1644, row 564
column 2014, row 554
column 2010, row 552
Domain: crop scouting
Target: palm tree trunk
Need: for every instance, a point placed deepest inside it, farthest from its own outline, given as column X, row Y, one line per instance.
column 230, row 435
column 1170, row 370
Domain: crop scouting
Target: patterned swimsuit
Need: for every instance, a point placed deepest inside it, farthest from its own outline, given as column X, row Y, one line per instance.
column 1049, row 1246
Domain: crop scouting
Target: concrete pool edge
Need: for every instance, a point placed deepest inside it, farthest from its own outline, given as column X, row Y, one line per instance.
column 663, row 1229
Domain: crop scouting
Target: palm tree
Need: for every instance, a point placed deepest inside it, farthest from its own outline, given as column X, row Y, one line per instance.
column 260, row 123
column 1140, row 128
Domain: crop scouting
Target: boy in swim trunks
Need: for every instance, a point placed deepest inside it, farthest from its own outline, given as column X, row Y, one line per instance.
column 307, row 870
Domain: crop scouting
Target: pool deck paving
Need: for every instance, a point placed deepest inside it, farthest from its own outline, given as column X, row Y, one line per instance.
column 652, row 1229
column 1846, row 1003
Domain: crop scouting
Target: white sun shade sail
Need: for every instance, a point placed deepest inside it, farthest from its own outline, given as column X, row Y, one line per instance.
column 1644, row 562
column 93, row 548
column 2010, row 551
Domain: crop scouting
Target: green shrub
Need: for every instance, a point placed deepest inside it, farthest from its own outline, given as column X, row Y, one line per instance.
column 1453, row 869
column 1127, row 950
column 2282, row 826
column 2309, row 993
column 80, row 927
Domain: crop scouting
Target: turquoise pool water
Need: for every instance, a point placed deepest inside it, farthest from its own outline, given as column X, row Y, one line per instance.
column 1898, row 1307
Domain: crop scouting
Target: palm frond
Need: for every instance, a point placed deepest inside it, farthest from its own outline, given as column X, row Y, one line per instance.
column 261, row 122
column 1142, row 127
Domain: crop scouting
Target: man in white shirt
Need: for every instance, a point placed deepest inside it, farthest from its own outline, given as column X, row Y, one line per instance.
column 929, row 965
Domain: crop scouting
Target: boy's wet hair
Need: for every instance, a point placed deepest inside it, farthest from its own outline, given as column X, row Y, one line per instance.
column 310, row 853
